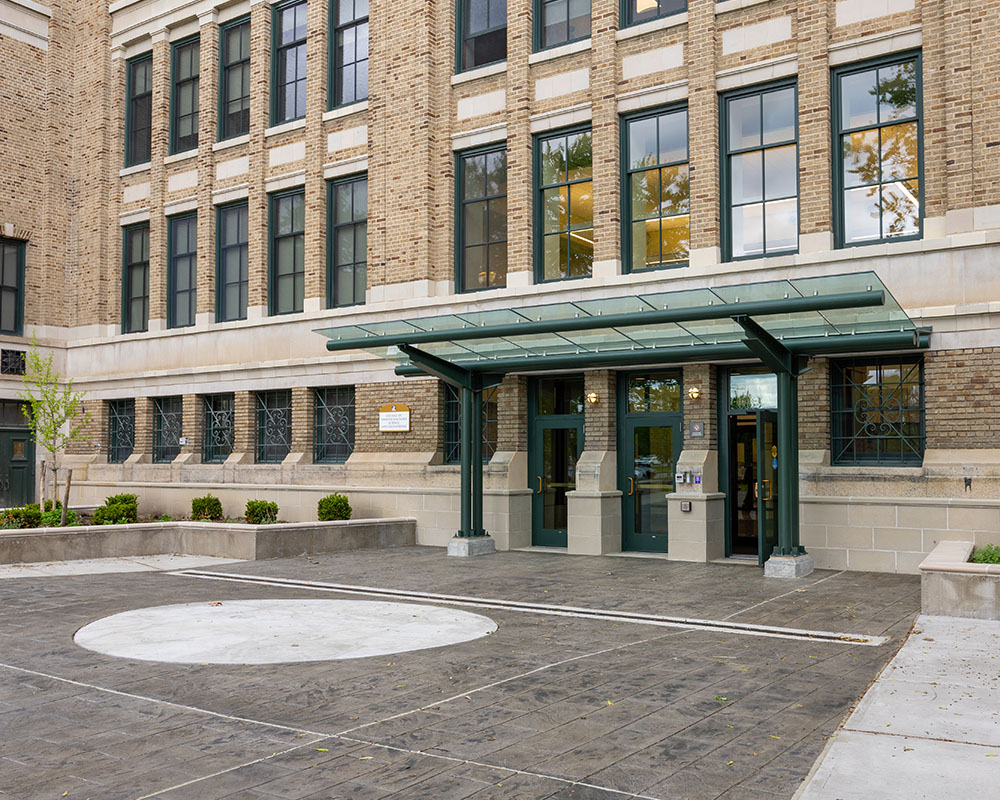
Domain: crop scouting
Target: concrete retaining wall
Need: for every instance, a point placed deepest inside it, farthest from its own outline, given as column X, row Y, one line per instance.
column 952, row 586
column 222, row 540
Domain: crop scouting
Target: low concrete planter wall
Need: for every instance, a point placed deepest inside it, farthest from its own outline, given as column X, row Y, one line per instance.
column 222, row 540
column 952, row 586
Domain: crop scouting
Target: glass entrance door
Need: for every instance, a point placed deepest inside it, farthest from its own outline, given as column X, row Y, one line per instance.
column 767, row 486
column 753, row 486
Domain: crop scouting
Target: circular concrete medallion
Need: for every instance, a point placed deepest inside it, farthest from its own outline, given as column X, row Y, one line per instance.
column 278, row 631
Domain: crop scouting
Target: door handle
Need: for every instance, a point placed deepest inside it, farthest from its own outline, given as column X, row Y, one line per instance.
column 539, row 490
column 770, row 493
column 631, row 486
column 756, row 494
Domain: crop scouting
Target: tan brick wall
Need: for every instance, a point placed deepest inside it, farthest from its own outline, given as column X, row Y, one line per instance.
column 814, row 406
column 703, row 409
column 963, row 398
column 599, row 428
column 512, row 414
column 425, row 399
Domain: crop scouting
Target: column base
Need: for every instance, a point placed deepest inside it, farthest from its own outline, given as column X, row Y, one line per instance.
column 463, row 547
column 788, row 566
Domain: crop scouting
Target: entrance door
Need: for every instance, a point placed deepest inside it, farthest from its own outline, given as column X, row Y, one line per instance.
column 651, row 450
column 16, row 468
column 753, row 459
column 767, row 486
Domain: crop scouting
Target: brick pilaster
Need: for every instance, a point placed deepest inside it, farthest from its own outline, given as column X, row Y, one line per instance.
column 512, row 414
column 303, row 399
column 599, row 426
column 244, row 423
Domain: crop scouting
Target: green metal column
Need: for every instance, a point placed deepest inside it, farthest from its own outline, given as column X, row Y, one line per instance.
column 788, row 465
column 467, row 487
column 477, row 463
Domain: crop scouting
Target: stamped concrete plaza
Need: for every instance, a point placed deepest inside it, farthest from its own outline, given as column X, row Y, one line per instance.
column 550, row 705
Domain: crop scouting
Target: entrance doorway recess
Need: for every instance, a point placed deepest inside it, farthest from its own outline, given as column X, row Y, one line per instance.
column 555, row 442
column 17, row 457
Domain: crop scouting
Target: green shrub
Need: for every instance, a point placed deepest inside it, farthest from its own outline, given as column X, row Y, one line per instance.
column 53, row 518
column 334, row 506
column 48, row 505
column 987, row 554
column 207, row 507
column 261, row 512
column 115, row 514
column 126, row 499
column 30, row 516
column 166, row 518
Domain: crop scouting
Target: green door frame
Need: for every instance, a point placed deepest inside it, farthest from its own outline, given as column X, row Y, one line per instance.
column 8, row 435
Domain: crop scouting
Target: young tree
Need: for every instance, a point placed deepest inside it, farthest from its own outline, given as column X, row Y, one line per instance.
column 54, row 412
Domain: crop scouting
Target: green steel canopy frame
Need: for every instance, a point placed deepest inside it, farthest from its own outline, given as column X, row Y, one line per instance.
column 780, row 323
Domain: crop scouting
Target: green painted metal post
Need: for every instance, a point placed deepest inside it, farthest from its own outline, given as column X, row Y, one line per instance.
column 788, row 466
column 477, row 463
column 467, row 486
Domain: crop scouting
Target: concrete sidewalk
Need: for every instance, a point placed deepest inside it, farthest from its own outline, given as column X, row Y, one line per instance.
column 929, row 727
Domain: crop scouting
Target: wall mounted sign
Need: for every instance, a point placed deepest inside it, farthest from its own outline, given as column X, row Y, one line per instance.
column 697, row 430
column 394, row 417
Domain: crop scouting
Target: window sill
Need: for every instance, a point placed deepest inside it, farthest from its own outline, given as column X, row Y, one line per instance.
column 498, row 68
column 581, row 46
column 182, row 156
column 284, row 127
column 145, row 167
column 661, row 24
column 236, row 141
column 345, row 111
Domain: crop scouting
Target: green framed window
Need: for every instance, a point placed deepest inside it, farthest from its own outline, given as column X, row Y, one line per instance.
column 288, row 60
column 182, row 267
column 656, row 189
column 564, row 205
column 12, row 257
column 481, row 229
column 138, row 109
column 168, row 414
column 347, row 248
column 232, row 277
column 234, row 79
column 348, row 52
column 334, row 432
column 121, row 430
column 274, row 426
column 217, row 444
column 561, row 22
column 135, row 278
column 185, row 70
column 288, row 241
column 760, row 168
column 636, row 11
column 482, row 33
column 877, row 410
column 453, row 424
column 878, row 141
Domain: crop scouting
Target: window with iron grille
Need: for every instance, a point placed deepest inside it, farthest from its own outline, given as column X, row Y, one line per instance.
column 334, row 435
column 289, row 59
column 218, row 428
column 347, row 203
column 135, row 281
column 349, row 56
column 232, row 270
column 11, row 362
column 139, row 111
column 274, row 426
column 878, row 410
column 482, row 225
column 483, row 27
column 168, row 413
column 186, row 70
column 288, row 251
column 182, row 262
column 234, row 95
column 561, row 22
column 453, row 424
column 12, row 286
column 121, row 430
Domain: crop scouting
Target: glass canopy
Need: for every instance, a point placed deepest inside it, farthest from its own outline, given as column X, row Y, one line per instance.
column 798, row 310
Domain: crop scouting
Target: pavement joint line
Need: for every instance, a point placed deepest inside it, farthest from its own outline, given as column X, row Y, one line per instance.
column 786, row 594
column 922, row 738
column 714, row 626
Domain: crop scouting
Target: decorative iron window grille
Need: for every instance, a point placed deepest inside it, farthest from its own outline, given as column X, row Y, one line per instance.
column 169, row 415
column 334, row 434
column 219, row 427
column 878, row 411
column 121, row 430
column 453, row 424
column 274, row 426
column 11, row 362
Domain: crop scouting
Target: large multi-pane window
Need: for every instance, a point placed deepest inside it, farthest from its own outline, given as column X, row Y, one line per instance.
column 186, row 69
column 11, row 286
column 564, row 176
column 232, row 272
column 349, row 51
column 217, row 444
column 288, row 266
column 878, row 410
column 637, row 11
column 453, row 424
column 135, row 278
column 121, row 430
column 168, row 417
column 482, row 223
column 234, row 77
column 561, row 22
column 878, row 123
column 182, row 262
column 761, row 208
column 139, row 111
column 658, row 188
column 274, row 426
column 483, row 27
column 289, row 55
column 347, row 204
column 334, row 436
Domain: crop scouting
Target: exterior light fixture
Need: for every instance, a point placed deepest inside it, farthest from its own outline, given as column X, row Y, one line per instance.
column 694, row 392
column 592, row 398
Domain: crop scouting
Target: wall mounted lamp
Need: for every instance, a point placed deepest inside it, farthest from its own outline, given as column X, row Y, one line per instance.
column 592, row 398
column 694, row 392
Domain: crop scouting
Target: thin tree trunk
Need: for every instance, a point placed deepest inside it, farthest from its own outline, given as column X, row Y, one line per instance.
column 69, row 482
column 44, row 477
